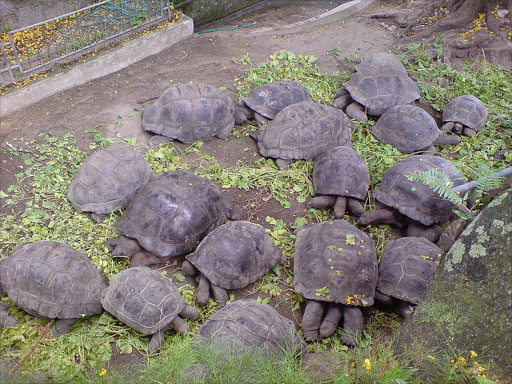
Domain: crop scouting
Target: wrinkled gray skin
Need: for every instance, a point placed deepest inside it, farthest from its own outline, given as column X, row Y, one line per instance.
column 108, row 179
column 379, row 83
column 5, row 319
column 249, row 326
column 190, row 113
column 414, row 204
column 410, row 129
column 232, row 256
column 464, row 115
column 340, row 180
column 335, row 268
column 148, row 302
column 303, row 131
column 169, row 217
column 266, row 101
column 52, row 280
column 406, row 267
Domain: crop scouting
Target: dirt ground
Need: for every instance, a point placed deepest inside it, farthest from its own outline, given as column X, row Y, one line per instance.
column 204, row 58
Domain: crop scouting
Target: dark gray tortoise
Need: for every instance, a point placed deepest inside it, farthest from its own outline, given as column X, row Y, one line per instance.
column 108, row 179
column 169, row 217
column 410, row 129
column 267, row 100
column 379, row 83
column 465, row 115
column 232, row 256
column 336, row 270
column 340, row 179
column 247, row 326
column 52, row 280
column 303, row 131
column 413, row 204
column 5, row 319
column 189, row 113
column 148, row 302
column 405, row 269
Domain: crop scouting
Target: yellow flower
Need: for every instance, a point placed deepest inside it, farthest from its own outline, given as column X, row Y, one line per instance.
column 472, row 354
column 367, row 364
column 103, row 372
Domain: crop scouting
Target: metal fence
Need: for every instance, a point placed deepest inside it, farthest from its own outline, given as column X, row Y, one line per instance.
column 35, row 48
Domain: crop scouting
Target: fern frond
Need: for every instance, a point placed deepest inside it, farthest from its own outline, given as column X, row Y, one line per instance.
column 439, row 182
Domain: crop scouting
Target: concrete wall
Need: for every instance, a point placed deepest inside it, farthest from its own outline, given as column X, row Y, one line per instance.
column 98, row 66
column 206, row 11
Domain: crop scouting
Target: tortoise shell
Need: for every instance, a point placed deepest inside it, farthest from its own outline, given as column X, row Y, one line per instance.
column 173, row 213
column 52, row 280
column 406, row 267
column 380, row 59
column 108, row 179
column 335, row 262
column 249, row 326
column 415, row 199
column 271, row 98
column 467, row 110
column 341, row 172
column 143, row 299
column 304, row 131
column 190, row 112
column 380, row 88
column 236, row 254
column 407, row 128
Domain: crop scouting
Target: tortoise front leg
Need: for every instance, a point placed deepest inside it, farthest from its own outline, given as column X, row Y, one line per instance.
column 220, row 295
column 203, row 291
column 62, row 326
column 340, row 207
column 5, row 319
column 352, row 324
column 312, row 319
column 331, row 320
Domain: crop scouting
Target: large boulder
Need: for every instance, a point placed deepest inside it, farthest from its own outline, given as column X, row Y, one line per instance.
column 468, row 305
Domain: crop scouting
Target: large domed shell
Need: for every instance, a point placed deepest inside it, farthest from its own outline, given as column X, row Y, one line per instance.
column 52, row 280
column 236, row 254
column 304, row 131
column 108, row 179
column 173, row 213
column 407, row 128
column 467, row 110
column 381, row 88
column 143, row 299
column 416, row 199
column 406, row 267
column 335, row 262
column 269, row 99
column 190, row 113
column 381, row 59
column 341, row 172
column 249, row 326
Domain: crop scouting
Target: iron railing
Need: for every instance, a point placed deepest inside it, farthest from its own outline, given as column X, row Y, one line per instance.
column 35, row 48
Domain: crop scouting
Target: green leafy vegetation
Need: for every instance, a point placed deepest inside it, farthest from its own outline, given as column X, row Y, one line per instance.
column 36, row 207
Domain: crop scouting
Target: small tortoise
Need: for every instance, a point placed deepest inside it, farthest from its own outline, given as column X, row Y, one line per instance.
column 54, row 281
column 406, row 267
column 148, row 302
column 266, row 101
column 108, row 179
column 169, row 217
column 340, row 179
column 413, row 203
column 379, row 83
column 335, row 263
column 189, row 113
column 232, row 256
column 464, row 115
column 303, row 131
column 410, row 129
column 247, row 326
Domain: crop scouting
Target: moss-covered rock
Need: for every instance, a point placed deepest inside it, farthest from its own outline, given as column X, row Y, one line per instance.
column 468, row 305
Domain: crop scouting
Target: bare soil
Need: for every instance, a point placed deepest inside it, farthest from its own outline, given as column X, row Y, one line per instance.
column 204, row 58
